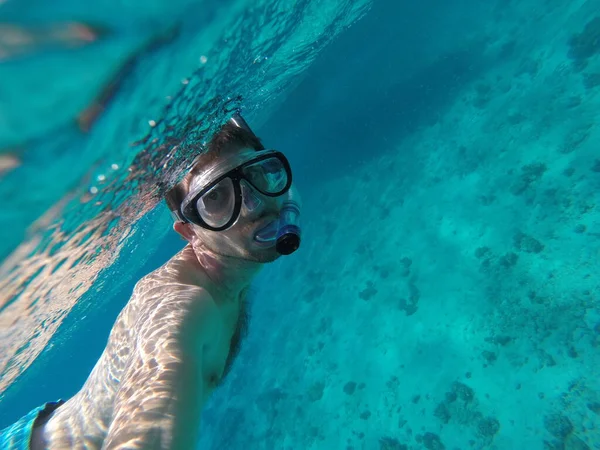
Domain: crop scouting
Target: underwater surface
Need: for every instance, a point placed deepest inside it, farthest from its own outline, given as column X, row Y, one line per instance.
column 446, row 294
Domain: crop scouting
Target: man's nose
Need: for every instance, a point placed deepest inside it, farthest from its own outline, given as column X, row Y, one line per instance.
column 252, row 198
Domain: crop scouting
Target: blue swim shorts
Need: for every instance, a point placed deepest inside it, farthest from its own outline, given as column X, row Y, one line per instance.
column 18, row 435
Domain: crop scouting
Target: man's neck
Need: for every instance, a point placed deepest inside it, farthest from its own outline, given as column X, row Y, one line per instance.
column 225, row 278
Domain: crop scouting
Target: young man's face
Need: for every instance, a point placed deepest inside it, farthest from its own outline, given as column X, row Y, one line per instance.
column 257, row 211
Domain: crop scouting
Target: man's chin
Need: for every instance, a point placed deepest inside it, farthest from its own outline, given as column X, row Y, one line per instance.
column 268, row 257
column 264, row 254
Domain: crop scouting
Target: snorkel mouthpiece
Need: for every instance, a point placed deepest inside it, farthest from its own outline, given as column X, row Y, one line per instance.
column 288, row 234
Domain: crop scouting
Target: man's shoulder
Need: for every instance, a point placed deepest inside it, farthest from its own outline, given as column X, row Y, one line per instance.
column 173, row 298
column 156, row 291
column 171, row 278
column 173, row 304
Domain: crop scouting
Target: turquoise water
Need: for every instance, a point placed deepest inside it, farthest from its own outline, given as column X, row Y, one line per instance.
column 446, row 293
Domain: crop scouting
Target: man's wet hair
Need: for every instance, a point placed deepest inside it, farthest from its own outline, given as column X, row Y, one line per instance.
column 228, row 135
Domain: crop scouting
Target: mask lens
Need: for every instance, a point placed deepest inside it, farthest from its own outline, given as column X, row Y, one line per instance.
column 216, row 206
column 268, row 176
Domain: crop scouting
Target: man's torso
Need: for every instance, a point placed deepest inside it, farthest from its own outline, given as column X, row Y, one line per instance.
column 156, row 313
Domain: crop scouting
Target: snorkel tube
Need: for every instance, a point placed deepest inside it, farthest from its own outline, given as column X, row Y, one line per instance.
column 288, row 232
column 287, row 239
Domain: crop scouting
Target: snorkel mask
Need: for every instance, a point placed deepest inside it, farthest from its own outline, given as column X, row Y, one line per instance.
column 215, row 197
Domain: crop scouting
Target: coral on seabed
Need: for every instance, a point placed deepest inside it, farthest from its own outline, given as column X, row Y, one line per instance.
column 587, row 43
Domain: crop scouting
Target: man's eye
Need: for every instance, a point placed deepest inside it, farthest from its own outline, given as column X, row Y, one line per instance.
column 213, row 195
column 252, row 171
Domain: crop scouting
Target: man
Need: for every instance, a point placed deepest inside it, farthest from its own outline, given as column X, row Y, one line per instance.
column 177, row 337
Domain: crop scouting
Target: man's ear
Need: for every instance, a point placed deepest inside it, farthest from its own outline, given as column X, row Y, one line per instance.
column 184, row 230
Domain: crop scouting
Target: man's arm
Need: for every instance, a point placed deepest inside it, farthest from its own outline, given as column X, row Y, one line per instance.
column 160, row 398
